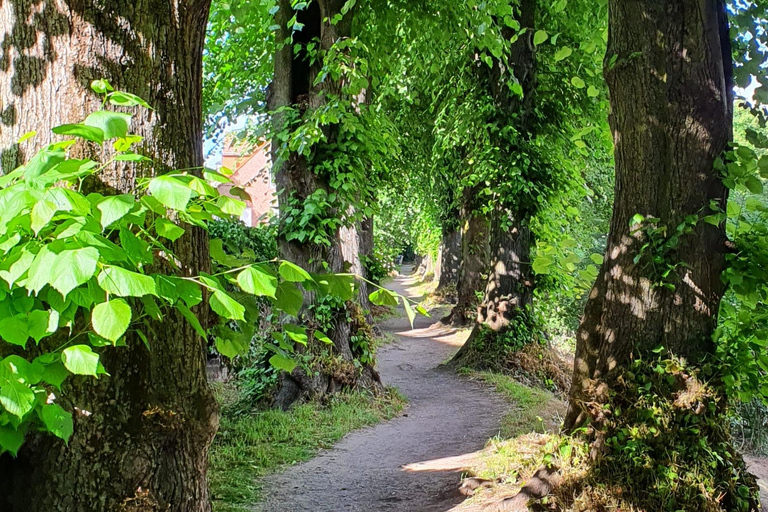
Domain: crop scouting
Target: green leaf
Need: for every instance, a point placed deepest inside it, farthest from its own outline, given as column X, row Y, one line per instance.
column 11, row 439
column 294, row 273
column 296, row 333
column 597, row 258
column 111, row 319
column 101, row 86
column 593, row 92
column 17, row 398
column 383, row 297
column 578, row 82
column 168, row 229
column 409, row 311
column 289, row 298
column 563, row 53
column 112, row 124
column 14, row 330
column 754, row 185
column 282, row 362
column 539, row 37
column 541, row 264
column 322, row 337
column 230, row 348
column 762, row 165
column 73, row 268
column 126, row 99
column 91, row 133
column 225, row 306
column 124, row 283
column 114, row 208
column 57, row 421
column 171, row 192
column 80, row 360
column 258, row 280
column 191, row 318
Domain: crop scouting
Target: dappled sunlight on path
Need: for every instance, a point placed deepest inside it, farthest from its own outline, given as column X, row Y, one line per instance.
column 414, row 462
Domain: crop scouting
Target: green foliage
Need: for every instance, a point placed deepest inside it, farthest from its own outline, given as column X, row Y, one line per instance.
column 258, row 243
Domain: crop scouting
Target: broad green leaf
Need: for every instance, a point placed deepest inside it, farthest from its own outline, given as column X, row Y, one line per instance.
column 112, row 124
column 294, row 273
column 171, row 192
column 578, row 82
column 11, row 439
column 383, row 297
column 289, row 298
column 409, row 311
column 539, row 37
column 126, row 99
column 124, row 283
column 14, row 330
column 282, row 362
column 322, row 337
column 80, row 360
column 754, row 185
column 191, row 318
column 41, row 214
column 73, row 268
column 593, row 92
column 168, row 229
column 541, row 265
column 227, row 307
column 57, row 421
column 234, row 207
column 17, row 398
column 597, row 258
column 258, row 280
column 91, row 133
column 296, row 333
column 114, row 208
column 111, row 319
column 230, row 347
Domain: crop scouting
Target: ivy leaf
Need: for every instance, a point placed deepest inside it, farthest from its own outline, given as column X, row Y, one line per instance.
column 80, row 360
column 259, row 281
column 111, row 319
column 282, row 362
column 294, row 273
column 289, row 298
column 57, row 421
column 171, row 192
column 114, row 208
column 539, row 37
column 91, row 133
column 225, row 306
column 73, row 268
column 124, row 283
column 593, row 91
column 17, row 398
column 112, row 124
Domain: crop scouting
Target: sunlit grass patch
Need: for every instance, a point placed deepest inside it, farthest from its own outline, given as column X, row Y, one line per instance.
column 251, row 445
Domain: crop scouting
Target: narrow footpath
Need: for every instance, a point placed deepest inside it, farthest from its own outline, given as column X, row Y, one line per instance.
column 412, row 463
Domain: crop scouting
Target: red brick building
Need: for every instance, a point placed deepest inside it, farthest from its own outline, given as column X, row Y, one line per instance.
column 252, row 172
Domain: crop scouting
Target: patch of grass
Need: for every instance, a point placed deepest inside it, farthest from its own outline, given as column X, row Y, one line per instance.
column 251, row 445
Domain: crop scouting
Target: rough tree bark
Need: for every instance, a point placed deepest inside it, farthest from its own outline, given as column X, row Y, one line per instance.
column 143, row 444
column 294, row 86
column 474, row 259
column 668, row 69
column 450, row 257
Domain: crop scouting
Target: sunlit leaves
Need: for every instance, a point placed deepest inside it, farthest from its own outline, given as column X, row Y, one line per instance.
column 111, row 319
column 81, row 360
column 170, row 191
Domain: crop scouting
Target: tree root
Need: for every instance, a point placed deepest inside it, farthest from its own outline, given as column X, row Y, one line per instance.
column 542, row 483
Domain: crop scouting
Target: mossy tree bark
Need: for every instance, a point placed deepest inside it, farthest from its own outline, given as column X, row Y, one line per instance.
column 450, row 256
column 668, row 69
column 141, row 434
column 294, row 87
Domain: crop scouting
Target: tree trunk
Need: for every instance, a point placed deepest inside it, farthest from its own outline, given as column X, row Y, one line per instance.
column 294, row 86
column 450, row 257
column 474, row 259
column 143, row 443
column 671, row 117
column 668, row 69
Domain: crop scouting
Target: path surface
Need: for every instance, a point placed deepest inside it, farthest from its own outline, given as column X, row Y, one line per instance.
column 412, row 463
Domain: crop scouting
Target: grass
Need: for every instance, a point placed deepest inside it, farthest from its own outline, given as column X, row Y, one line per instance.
column 251, row 445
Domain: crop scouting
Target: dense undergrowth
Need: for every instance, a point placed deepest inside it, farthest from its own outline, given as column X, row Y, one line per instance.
column 252, row 443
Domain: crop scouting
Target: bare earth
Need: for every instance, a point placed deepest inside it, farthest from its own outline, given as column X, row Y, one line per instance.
column 412, row 463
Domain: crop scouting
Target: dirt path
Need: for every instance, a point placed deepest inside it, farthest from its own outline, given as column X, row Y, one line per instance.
column 412, row 463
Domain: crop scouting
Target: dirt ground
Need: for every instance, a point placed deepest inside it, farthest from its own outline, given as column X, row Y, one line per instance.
column 414, row 462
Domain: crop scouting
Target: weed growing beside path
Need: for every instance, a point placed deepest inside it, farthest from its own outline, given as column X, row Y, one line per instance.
column 250, row 445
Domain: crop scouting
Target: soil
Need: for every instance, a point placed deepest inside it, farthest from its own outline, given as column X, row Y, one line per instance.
column 412, row 463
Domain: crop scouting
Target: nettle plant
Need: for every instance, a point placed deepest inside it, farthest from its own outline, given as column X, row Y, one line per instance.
column 84, row 272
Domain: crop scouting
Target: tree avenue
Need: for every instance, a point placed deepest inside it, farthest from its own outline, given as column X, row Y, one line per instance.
column 572, row 189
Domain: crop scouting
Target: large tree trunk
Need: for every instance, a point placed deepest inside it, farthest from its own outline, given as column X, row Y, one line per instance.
column 474, row 260
column 294, row 86
column 668, row 69
column 450, row 257
column 144, row 444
